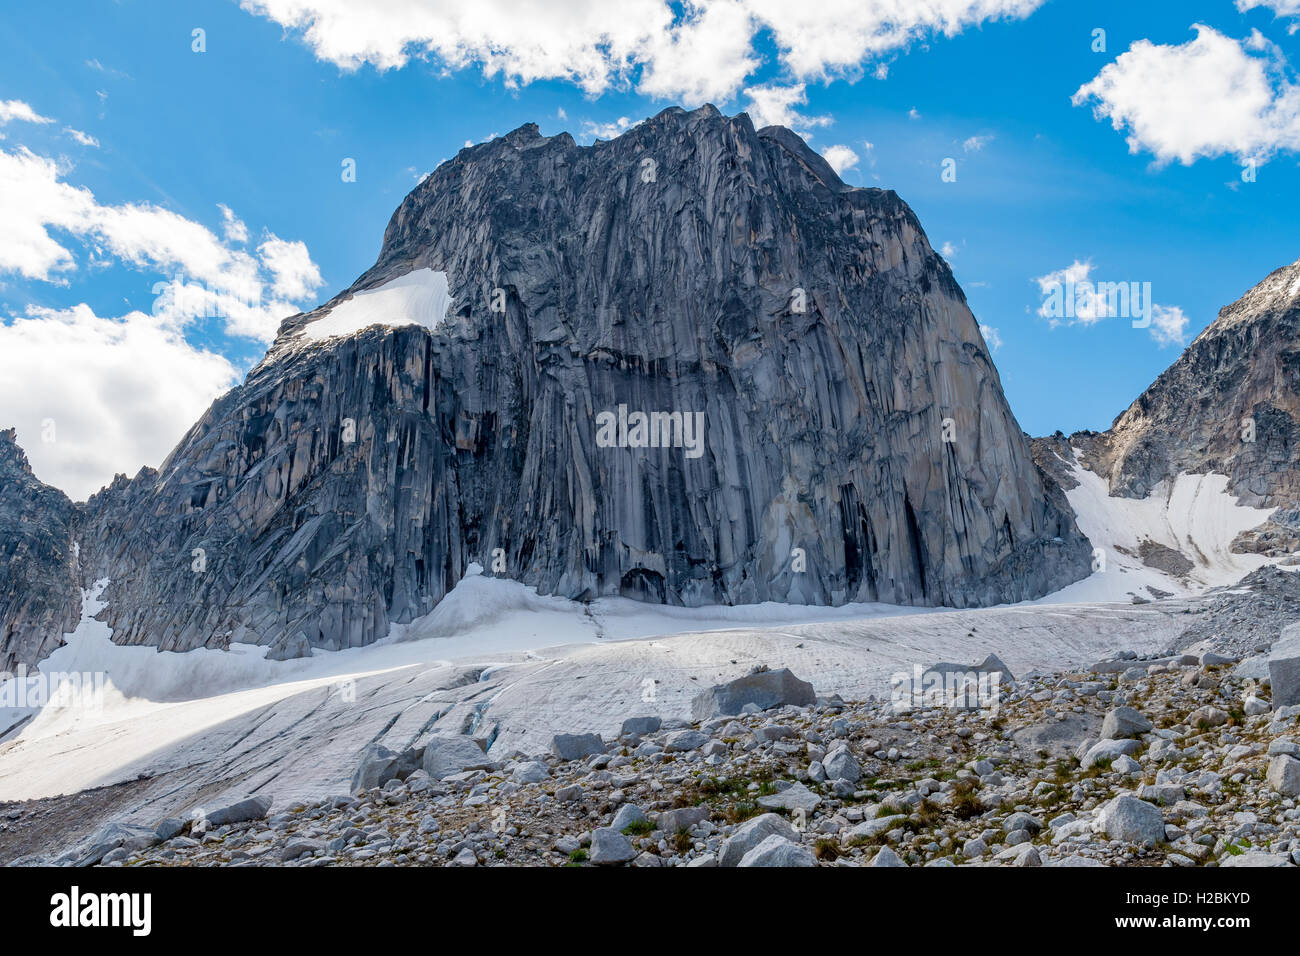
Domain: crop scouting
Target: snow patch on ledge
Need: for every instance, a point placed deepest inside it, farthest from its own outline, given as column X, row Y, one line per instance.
column 1195, row 515
column 422, row 298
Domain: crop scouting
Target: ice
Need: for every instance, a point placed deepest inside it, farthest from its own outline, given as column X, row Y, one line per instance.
column 421, row 297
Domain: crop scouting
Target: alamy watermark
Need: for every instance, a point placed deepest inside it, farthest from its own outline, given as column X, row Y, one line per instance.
column 83, row 691
column 1088, row 301
column 624, row 429
column 947, row 687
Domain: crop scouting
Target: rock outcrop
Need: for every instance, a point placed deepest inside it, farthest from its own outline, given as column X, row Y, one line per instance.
column 853, row 441
column 39, row 597
column 1229, row 404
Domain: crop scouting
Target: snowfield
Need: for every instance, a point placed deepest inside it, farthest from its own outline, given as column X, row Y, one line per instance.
column 419, row 298
column 1194, row 515
column 499, row 660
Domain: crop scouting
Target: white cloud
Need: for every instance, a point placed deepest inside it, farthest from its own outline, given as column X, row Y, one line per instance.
column 18, row 110
column 605, row 130
column 1211, row 96
column 841, row 158
column 1072, row 281
column 992, row 337
column 1168, row 325
column 975, row 143
column 295, row 275
column 85, row 139
column 232, row 225
column 1280, row 8
column 113, row 394
column 692, row 51
column 948, row 250
column 774, row 105
column 1072, row 297
column 206, row 274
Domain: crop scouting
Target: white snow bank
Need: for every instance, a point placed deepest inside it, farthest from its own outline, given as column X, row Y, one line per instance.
column 482, row 620
column 420, row 298
column 1194, row 515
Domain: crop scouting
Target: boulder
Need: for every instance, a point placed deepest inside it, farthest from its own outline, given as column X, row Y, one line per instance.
column 763, row 689
column 446, row 754
column 1284, row 667
column 841, row 765
column 627, row 814
column 1284, row 775
column 640, row 726
column 753, row 832
column 237, row 811
column 1130, row 820
column 1121, row 722
column 577, row 746
column 796, row 797
column 609, row 847
column 1111, row 749
column 886, row 857
column 169, row 828
column 531, row 771
column 297, row 848
column 1255, row 858
column 671, row 821
column 1207, row 717
column 682, row 741
column 112, row 837
column 377, row 766
column 776, row 850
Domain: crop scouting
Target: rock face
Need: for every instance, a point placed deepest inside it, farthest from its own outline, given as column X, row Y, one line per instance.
column 39, row 597
column 853, row 442
column 1229, row 404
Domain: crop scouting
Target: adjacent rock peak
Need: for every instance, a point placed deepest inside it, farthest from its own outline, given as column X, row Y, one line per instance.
column 687, row 365
column 1229, row 404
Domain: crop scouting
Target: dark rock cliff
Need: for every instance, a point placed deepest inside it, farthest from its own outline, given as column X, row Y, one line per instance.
column 40, row 599
column 857, row 445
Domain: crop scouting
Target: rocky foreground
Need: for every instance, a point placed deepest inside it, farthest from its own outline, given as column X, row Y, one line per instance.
column 1168, row 762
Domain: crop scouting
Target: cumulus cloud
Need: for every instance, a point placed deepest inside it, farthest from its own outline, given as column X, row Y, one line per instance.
column 594, row 130
column 991, row 337
column 775, row 105
column 253, row 293
column 841, row 158
column 295, row 276
column 11, row 110
column 692, row 51
column 232, row 225
column 975, row 143
column 1280, row 8
column 1168, row 325
column 1072, row 297
column 92, row 397
column 1211, row 96
column 1076, row 293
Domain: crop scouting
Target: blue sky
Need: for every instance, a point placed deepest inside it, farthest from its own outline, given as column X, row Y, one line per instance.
column 121, row 145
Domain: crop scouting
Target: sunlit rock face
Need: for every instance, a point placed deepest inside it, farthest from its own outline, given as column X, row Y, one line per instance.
column 1230, row 404
column 688, row 365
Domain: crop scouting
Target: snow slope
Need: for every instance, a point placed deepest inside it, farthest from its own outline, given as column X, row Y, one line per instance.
column 420, row 297
column 1194, row 515
column 496, row 654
